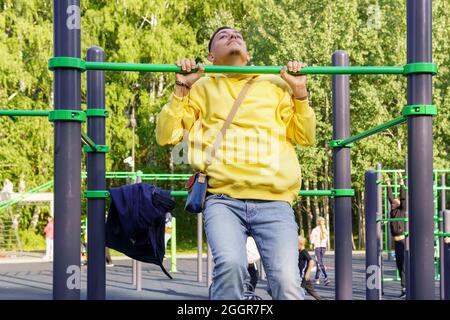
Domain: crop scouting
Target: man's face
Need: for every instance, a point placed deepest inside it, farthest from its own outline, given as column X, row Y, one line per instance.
column 228, row 42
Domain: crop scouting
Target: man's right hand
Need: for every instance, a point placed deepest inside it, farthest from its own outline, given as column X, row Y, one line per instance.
column 188, row 65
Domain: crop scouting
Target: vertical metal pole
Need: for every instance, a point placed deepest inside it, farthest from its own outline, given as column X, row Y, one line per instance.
column 173, row 246
column 342, row 180
column 67, row 154
column 441, row 241
column 209, row 267
column 407, row 254
column 373, row 274
column 446, row 254
column 379, row 224
column 420, row 154
column 199, row 246
column 96, row 180
column 133, row 272
column 138, row 263
column 262, row 271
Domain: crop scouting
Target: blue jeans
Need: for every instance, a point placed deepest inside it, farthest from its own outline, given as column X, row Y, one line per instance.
column 228, row 222
column 320, row 252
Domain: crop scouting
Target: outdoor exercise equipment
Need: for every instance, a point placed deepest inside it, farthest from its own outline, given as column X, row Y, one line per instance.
column 374, row 232
column 68, row 117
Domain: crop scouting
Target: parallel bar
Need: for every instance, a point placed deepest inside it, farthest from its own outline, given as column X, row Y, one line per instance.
column 407, row 246
column 379, row 226
column 373, row 270
column 138, row 263
column 96, row 167
column 420, row 153
column 443, row 274
column 342, row 180
column 446, row 254
column 372, row 131
column 67, row 154
column 114, row 66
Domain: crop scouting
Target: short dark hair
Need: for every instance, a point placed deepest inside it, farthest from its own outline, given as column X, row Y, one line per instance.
column 214, row 34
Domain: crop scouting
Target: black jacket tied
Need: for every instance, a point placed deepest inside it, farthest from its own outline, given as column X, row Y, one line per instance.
column 136, row 222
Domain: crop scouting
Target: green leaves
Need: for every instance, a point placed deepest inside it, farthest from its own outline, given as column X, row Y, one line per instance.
column 163, row 31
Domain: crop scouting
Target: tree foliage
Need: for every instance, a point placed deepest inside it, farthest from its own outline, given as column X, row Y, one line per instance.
column 160, row 31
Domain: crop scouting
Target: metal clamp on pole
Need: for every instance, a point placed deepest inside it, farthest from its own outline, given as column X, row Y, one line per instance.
column 420, row 67
column 96, row 194
column 97, row 113
column 419, row 110
column 96, row 148
column 67, row 115
column 67, row 62
column 339, row 144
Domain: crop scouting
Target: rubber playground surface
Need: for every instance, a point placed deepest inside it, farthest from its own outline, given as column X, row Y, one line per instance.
column 30, row 278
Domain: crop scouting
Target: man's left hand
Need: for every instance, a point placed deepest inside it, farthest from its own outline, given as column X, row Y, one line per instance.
column 296, row 82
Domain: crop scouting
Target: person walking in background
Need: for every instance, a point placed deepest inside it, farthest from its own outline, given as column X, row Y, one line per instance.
column 48, row 230
column 397, row 228
column 305, row 265
column 319, row 238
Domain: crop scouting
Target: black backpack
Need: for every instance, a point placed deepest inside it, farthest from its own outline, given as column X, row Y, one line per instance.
column 136, row 222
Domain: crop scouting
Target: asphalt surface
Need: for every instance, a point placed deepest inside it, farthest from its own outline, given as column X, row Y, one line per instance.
column 30, row 278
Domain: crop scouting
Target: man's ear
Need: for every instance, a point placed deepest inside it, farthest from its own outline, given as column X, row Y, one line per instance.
column 248, row 57
column 210, row 57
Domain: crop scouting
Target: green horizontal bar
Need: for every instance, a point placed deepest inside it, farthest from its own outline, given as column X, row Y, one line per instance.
column 442, row 234
column 372, row 131
column 392, row 219
column 179, row 193
column 328, row 193
column 320, row 193
column 402, row 170
column 243, row 69
column 28, row 113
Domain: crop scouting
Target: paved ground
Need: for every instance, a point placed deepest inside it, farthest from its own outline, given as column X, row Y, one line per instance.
column 29, row 277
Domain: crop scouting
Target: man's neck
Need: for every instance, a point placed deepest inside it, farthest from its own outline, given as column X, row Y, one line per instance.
column 231, row 60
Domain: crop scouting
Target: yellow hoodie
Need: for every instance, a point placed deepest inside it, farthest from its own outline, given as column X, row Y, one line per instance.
column 256, row 159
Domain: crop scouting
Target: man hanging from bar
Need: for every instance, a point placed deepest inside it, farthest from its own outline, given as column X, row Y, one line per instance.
column 255, row 175
column 397, row 228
